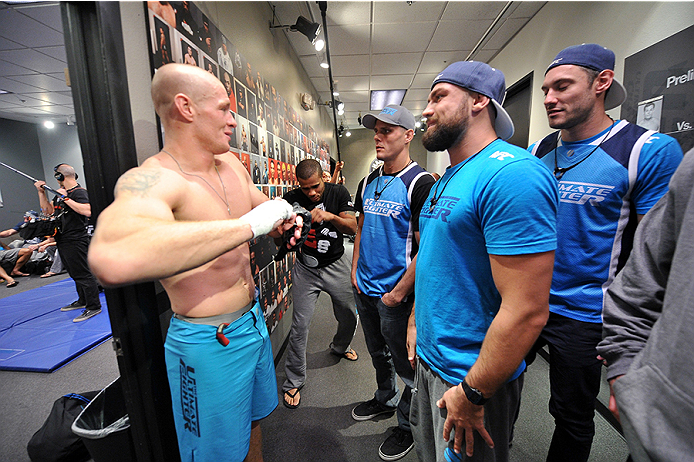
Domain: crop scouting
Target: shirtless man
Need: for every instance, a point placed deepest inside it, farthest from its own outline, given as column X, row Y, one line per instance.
column 184, row 217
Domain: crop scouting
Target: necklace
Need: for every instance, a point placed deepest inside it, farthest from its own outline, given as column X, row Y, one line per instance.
column 434, row 200
column 560, row 171
column 224, row 190
column 377, row 193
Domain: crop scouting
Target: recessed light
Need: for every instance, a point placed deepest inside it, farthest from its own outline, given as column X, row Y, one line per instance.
column 324, row 65
column 49, row 124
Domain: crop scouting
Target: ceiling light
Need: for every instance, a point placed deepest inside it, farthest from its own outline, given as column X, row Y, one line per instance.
column 320, row 44
column 348, row 133
column 382, row 98
column 324, row 65
column 49, row 124
column 340, row 106
column 306, row 27
column 4, row 92
column 336, row 93
column 418, row 124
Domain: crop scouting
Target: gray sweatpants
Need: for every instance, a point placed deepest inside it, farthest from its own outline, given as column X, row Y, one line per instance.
column 426, row 419
column 333, row 279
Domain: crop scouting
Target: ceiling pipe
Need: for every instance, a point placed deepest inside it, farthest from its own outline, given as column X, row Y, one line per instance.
column 488, row 32
column 323, row 8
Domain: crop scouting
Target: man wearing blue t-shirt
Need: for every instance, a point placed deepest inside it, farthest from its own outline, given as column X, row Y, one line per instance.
column 389, row 201
column 609, row 174
column 484, row 269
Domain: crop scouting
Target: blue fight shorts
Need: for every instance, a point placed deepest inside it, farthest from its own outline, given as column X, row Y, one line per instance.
column 217, row 391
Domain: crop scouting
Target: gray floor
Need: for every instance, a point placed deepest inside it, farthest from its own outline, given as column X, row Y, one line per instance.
column 321, row 429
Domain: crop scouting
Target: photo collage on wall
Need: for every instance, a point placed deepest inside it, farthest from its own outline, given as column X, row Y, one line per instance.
column 270, row 138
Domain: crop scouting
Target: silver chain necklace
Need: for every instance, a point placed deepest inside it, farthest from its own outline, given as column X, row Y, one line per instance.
column 224, row 189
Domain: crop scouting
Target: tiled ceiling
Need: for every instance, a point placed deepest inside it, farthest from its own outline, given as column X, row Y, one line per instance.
column 33, row 63
column 383, row 45
column 373, row 46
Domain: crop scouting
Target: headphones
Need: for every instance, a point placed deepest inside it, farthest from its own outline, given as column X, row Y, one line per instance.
column 58, row 175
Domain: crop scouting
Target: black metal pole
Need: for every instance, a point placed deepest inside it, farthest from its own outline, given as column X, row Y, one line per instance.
column 323, row 8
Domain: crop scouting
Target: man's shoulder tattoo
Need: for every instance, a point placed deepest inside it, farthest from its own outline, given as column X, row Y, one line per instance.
column 138, row 182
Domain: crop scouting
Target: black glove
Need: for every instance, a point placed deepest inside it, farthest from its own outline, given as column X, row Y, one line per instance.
column 306, row 215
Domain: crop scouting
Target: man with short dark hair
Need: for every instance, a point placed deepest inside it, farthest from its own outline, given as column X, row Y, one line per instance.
column 610, row 174
column 389, row 201
column 484, row 269
column 72, row 239
column 321, row 265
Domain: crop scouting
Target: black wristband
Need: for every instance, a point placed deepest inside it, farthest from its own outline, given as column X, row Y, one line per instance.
column 473, row 394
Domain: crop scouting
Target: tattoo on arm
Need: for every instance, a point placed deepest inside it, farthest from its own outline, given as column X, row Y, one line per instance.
column 138, row 183
column 349, row 213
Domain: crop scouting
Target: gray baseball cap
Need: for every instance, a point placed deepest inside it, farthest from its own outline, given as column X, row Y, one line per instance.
column 391, row 114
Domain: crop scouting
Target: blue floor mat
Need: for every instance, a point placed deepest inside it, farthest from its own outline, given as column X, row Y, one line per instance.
column 36, row 336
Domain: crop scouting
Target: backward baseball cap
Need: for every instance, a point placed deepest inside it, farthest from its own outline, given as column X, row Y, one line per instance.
column 485, row 80
column 595, row 57
column 391, row 114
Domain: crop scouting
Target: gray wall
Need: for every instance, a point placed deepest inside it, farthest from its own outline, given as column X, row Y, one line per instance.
column 19, row 148
column 359, row 150
column 34, row 150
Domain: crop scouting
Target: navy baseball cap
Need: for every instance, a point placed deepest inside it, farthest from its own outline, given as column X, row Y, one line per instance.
column 391, row 114
column 597, row 58
column 485, row 80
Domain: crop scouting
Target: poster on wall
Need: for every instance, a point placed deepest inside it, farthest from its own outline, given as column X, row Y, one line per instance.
column 268, row 136
column 660, row 88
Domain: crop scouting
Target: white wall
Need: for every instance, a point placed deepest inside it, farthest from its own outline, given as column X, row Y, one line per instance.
column 624, row 27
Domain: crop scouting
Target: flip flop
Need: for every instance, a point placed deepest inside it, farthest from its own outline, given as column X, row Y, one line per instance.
column 344, row 355
column 48, row 274
column 291, row 395
column 12, row 284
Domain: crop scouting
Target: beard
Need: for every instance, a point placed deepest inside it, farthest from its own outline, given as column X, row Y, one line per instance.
column 578, row 115
column 446, row 134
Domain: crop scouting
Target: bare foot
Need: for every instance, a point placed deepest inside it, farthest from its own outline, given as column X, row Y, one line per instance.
column 48, row 274
column 351, row 355
column 19, row 274
column 11, row 283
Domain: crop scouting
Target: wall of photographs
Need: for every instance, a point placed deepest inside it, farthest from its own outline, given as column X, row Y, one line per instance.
column 270, row 139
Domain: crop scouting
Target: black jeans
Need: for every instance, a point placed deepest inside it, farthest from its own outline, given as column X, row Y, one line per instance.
column 574, row 377
column 74, row 256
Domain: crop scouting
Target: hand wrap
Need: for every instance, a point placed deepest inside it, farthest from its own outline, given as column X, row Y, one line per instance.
column 267, row 216
column 286, row 237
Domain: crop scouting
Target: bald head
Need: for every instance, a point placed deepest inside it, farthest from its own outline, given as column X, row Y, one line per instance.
column 173, row 79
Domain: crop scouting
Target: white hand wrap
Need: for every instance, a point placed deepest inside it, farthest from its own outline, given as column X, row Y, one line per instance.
column 267, row 216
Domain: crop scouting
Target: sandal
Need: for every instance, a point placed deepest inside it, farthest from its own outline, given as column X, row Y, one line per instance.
column 344, row 355
column 12, row 284
column 291, row 395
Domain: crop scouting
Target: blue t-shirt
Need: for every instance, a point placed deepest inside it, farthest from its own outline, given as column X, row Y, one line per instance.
column 502, row 201
column 599, row 200
column 390, row 205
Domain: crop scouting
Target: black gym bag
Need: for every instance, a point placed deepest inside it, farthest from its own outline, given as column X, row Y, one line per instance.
column 54, row 441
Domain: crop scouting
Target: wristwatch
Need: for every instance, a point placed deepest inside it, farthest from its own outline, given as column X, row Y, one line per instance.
column 473, row 394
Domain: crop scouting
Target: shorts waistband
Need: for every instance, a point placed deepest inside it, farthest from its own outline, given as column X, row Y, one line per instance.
column 218, row 319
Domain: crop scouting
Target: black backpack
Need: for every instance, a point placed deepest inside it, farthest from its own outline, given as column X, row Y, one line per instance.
column 54, row 441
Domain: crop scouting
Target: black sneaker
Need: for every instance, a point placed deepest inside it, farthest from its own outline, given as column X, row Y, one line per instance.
column 86, row 314
column 76, row 305
column 397, row 445
column 370, row 409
